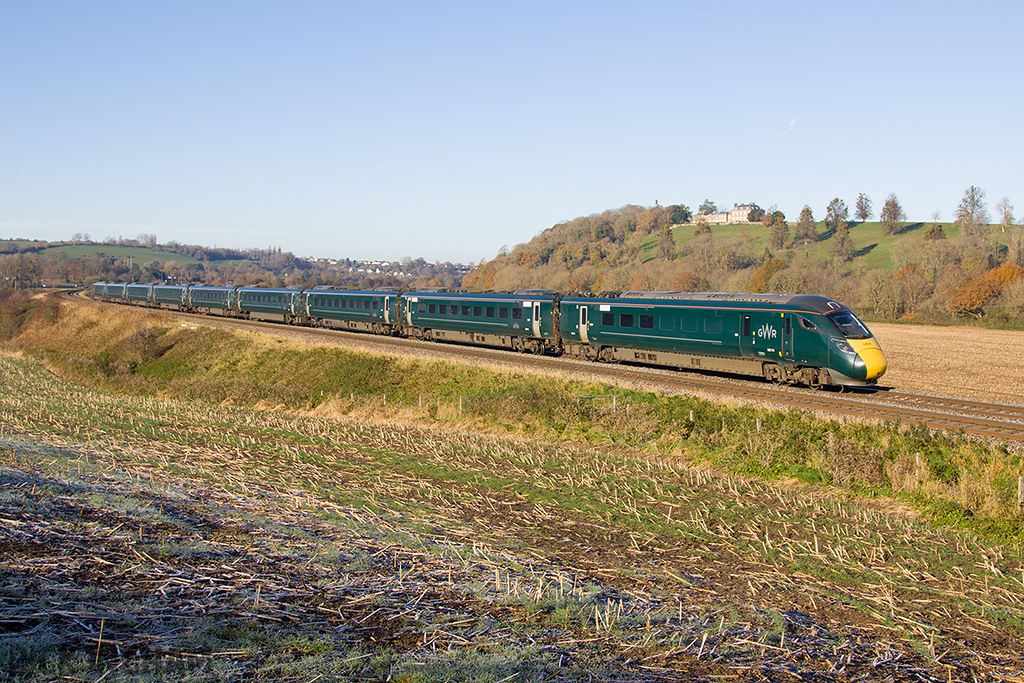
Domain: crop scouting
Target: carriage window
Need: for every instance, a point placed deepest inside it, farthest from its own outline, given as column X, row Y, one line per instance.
column 478, row 311
column 625, row 320
column 806, row 324
column 503, row 312
column 517, row 313
column 647, row 322
column 465, row 310
column 687, row 324
column 608, row 319
column 667, row 323
column 431, row 308
column 442, row 309
column 713, row 325
column 490, row 311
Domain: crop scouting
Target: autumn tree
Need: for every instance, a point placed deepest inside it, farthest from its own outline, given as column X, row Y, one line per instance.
column 972, row 296
column 702, row 227
column 666, row 243
column 836, row 221
column 759, row 280
column 863, row 209
column 935, row 232
column 892, row 215
column 836, row 215
column 805, row 226
column 680, row 213
column 780, row 230
column 971, row 215
column 913, row 287
column 689, row 282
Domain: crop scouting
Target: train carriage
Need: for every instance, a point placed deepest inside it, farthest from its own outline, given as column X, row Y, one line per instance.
column 115, row 291
column 275, row 305
column 212, row 300
column 363, row 310
column 170, row 296
column 799, row 338
column 139, row 295
column 522, row 320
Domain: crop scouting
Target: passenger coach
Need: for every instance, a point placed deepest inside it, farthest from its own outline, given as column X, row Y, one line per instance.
column 523, row 320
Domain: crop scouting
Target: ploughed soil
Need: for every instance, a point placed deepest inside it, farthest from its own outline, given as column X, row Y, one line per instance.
column 965, row 362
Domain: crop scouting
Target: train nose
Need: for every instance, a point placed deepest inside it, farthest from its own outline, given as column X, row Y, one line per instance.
column 870, row 355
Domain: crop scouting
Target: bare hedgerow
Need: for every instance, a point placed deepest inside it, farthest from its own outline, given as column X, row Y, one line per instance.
column 853, row 464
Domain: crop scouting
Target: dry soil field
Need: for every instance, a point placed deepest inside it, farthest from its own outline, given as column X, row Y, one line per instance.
column 958, row 361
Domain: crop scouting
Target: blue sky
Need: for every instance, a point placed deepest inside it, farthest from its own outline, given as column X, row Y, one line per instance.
column 448, row 129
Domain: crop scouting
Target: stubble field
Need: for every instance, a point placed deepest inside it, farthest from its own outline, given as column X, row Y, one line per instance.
column 157, row 539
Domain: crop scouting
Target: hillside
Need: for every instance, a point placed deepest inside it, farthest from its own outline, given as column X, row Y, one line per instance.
column 925, row 271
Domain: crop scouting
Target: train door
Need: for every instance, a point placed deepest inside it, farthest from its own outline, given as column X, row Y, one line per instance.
column 747, row 338
column 584, row 337
column 787, row 336
column 387, row 311
column 536, row 319
column 409, row 303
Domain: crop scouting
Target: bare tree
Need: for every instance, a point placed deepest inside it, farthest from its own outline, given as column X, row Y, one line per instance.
column 1005, row 209
column 971, row 215
column 892, row 215
column 863, row 210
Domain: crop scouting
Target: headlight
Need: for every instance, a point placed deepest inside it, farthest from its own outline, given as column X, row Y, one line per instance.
column 842, row 345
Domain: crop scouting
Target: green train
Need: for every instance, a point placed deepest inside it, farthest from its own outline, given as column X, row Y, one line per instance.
column 787, row 339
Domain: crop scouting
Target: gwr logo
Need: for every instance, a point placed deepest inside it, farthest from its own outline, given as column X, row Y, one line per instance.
column 767, row 332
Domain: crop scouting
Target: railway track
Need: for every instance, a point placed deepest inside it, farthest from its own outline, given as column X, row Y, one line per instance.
column 989, row 420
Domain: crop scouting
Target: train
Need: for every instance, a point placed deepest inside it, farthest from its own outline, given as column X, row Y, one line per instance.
column 787, row 339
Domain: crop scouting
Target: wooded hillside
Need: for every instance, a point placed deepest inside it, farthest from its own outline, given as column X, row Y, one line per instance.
column 887, row 270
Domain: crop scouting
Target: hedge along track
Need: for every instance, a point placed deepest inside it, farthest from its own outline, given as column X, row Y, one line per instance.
column 989, row 420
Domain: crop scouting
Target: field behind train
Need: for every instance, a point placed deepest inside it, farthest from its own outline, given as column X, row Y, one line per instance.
column 167, row 516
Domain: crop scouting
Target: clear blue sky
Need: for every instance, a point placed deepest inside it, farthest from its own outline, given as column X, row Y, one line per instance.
column 448, row 129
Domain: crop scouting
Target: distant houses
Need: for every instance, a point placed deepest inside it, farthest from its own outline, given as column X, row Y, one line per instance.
column 738, row 214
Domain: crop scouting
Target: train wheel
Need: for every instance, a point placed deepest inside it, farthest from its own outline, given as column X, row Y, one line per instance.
column 773, row 373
